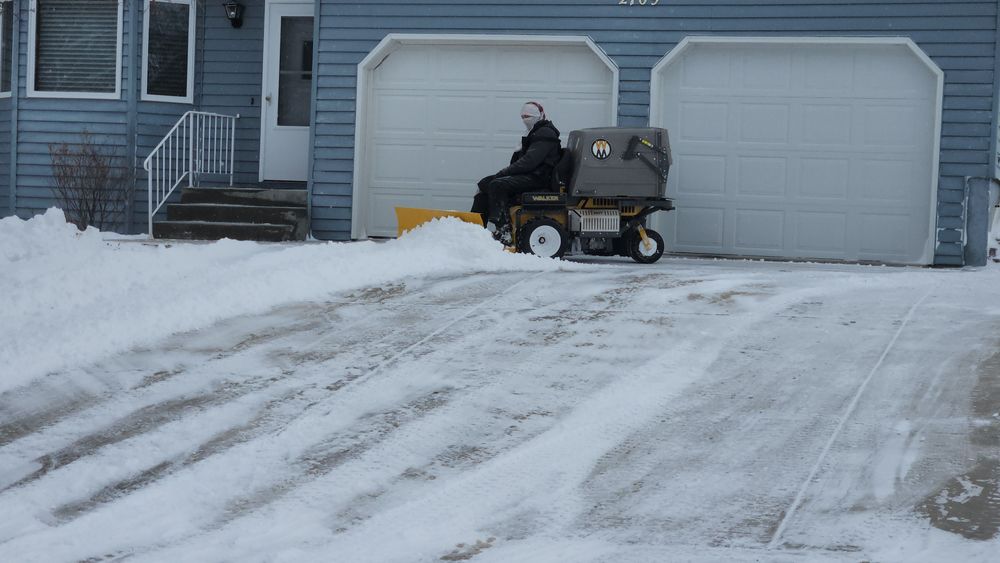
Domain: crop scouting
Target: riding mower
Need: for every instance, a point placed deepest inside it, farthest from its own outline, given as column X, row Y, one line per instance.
column 609, row 180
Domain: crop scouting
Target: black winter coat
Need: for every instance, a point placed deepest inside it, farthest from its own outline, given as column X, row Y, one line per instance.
column 539, row 152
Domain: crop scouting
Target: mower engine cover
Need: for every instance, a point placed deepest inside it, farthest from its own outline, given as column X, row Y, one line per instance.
column 630, row 162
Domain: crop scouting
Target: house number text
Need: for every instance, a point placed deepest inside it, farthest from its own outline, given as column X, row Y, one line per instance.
column 638, row 2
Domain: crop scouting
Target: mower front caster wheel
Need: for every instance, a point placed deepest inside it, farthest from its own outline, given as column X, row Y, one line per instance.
column 543, row 237
column 640, row 252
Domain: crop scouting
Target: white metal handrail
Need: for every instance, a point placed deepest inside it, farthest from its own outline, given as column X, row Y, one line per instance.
column 199, row 143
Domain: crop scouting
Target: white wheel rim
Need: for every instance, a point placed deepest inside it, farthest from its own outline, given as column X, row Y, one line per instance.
column 647, row 252
column 545, row 241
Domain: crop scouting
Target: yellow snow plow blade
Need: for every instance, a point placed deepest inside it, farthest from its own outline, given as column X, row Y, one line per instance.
column 409, row 218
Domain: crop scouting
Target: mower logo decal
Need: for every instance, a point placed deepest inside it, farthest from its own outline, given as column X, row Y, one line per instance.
column 601, row 149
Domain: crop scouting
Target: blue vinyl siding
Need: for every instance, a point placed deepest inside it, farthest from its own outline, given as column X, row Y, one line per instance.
column 47, row 121
column 5, row 157
column 959, row 36
column 227, row 80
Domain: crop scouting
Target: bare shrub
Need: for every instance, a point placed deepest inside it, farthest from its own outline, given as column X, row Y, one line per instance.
column 93, row 185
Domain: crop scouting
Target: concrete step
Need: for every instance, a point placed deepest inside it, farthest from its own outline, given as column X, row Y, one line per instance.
column 245, row 196
column 210, row 230
column 234, row 213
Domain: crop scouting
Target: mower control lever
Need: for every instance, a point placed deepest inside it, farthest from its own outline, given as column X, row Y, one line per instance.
column 631, row 153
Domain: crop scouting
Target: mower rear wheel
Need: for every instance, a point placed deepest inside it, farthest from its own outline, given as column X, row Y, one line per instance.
column 543, row 237
column 638, row 251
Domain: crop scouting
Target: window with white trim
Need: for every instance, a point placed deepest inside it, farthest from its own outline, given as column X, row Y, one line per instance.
column 75, row 48
column 6, row 45
column 168, row 51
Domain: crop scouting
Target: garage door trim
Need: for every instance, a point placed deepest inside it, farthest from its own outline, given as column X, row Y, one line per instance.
column 394, row 41
column 654, row 90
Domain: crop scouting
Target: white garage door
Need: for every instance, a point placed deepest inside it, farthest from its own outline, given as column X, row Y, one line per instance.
column 801, row 149
column 441, row 116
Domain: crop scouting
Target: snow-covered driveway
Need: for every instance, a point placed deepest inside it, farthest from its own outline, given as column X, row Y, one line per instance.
column 692, row 410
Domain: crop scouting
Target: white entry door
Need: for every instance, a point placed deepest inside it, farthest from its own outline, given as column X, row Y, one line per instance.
column 285, row 107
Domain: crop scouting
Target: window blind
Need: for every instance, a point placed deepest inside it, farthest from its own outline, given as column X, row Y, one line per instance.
column 76, row 45
column 167, row 56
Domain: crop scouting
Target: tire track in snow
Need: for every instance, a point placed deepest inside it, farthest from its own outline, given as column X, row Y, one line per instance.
column 433, row 493
column 541, row 476
column 135, row 423
column 220, row 442
column 350, row 444
column 319, row 459
column 688, row 475
column 225, row 339
column 32, row 422
column 797, row 501
column 490, row 441
column 154, row 416
column 323, row 458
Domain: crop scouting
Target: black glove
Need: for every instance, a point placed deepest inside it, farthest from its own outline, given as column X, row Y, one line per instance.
column 485, row 182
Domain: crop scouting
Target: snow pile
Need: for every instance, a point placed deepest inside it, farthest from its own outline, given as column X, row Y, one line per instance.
column 40, row 237
column 70, row 298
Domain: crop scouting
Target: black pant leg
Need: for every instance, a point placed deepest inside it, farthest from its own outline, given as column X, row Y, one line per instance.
column 501, row 189
column 481, row 205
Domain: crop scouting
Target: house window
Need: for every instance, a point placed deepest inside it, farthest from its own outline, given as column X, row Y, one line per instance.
column 74, row 48
column 168, row 51
column 6, row 44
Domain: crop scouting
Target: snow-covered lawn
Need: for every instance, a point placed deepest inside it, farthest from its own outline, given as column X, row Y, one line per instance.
column 436, row 398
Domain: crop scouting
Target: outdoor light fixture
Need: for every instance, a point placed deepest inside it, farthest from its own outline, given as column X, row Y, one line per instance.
column 234, row 13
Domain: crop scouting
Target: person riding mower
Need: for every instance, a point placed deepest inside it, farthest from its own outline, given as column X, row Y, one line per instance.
column 609, row 181
column 605, row 185
column 530, row 169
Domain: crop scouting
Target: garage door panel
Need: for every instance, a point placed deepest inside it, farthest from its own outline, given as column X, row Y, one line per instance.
column 403, row 113
column 891, row 75
column 700, row 175
column 891, row 126
column 759, row 230
column 459, row 164
column 817, row 134
column 766, row 70
column 700, row 227
column 824, row 233
column 578, row 71
column 886, row 234
column 884, row 181
column 764, row 123
column 522, row 71
column 399, row 163
column 458, row 115
column 829, row 73
column 762, row 176
column 703, row 122
column 826, row 124
column 460, row 69
column 405, row 70
column 705, row 68
column 824, row 178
